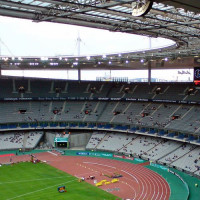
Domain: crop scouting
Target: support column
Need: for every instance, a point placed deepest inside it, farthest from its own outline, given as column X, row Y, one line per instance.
column 14, row 87
column 149, row 72
column 29, row 86
column 79, row 74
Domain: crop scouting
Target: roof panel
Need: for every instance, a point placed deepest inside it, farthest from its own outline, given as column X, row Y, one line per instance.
column 171, row 21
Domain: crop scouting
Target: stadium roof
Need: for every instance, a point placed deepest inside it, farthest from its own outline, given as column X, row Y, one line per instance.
column 178, row 20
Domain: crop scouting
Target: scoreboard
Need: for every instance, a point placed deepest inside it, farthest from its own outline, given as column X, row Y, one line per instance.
column 197, row 76
column 61, row 141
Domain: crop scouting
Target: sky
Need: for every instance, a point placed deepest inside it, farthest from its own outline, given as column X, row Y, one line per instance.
column 27, row 38
column 19, row 37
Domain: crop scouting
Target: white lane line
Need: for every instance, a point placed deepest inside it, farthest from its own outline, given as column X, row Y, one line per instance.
column 99, row 164
column 40, row 190
column 130, row 175
column 52, row 153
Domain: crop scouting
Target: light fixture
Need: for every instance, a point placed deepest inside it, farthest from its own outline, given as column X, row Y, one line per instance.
column 88, row 57
column 166, row 59
column 126, row 61
column 5, row 59
column 110, row 62
column 119, row 55
column 142, row 60
column 104, row 56
column 44, row 58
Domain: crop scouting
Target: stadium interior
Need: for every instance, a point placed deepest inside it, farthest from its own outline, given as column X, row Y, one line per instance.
column 154, row 121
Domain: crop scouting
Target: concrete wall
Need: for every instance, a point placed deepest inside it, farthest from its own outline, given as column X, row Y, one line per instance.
column 79, row 139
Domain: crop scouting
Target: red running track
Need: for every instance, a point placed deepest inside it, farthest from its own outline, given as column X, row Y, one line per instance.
column 137, row 183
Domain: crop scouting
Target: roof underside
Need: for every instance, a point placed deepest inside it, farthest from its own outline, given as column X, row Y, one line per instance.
column 177, row 20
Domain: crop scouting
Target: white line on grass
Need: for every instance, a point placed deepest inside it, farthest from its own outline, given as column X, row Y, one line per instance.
column 35, row 179
column 40, row 190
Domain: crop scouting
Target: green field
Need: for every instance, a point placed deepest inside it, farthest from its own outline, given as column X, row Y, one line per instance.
column 27, row 181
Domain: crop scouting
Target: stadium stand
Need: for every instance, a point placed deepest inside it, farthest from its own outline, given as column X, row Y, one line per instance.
column 164, row 122
column 113, row 142
column 95, row 139
column 140, row 145
column 11, row 140
column 32, row 139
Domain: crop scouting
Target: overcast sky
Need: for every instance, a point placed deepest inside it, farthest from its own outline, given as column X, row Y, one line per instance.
column 27, row 38
column 20, row 37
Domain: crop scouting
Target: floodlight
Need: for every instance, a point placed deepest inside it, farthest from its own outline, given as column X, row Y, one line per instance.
column 44, row 58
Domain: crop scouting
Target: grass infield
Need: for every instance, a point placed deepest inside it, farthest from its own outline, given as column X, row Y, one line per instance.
column 29, row 181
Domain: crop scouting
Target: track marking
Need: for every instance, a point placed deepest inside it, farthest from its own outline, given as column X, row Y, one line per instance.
column 52, row 153
column 100, row 164
column 130, row 175
column 40, row 190
column 80, row 175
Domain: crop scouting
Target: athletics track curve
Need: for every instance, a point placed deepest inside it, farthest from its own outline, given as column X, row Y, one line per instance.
column 138, row 182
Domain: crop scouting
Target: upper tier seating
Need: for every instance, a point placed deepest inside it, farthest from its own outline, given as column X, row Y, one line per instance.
column 60, row 88
column 146, row 114
column 158, row 115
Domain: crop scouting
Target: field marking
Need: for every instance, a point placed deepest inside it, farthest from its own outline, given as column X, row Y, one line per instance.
column 40, row 190
column 35, row 180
